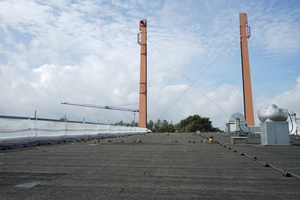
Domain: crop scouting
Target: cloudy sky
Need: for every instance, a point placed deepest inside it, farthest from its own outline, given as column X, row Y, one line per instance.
column 87, row 52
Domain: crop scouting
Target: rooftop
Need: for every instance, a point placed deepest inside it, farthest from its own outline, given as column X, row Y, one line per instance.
column 152, row 166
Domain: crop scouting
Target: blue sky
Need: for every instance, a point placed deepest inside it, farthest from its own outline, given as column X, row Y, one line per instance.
column 86, row 52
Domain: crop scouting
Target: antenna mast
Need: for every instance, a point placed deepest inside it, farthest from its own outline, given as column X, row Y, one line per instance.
column 142, row 41
column 248, row 102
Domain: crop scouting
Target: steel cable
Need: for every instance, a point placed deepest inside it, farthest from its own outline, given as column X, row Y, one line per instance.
column 193, row 82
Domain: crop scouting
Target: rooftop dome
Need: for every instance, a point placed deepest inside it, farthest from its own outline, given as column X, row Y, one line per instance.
column 273, row 113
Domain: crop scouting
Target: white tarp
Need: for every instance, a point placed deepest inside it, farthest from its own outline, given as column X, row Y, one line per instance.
column 14, row 128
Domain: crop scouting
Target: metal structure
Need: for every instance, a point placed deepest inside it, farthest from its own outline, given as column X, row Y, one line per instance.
column 142, row 41
column 102, row 107
column 294, row 124
column 28, row 131
column 247, row 89
column 273, row 113
column 274, row 127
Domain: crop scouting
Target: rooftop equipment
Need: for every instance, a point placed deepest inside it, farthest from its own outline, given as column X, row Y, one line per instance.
column 274, row 127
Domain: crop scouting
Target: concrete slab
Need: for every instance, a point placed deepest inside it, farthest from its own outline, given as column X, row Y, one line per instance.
column 154, row 168
column 239, row 140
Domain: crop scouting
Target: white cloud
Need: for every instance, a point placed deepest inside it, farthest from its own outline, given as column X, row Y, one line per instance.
column 275, row 28
column 86, row 52
column 179, row 101
column 289, row 99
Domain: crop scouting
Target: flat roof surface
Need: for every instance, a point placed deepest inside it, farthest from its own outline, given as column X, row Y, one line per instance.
column 152, row 166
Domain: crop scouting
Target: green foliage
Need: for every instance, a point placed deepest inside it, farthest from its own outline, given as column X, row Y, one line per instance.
column 166, row 127
column 196, row 123
column 150, row 125
column 190, row 124
column 63, row 119
column 160, row 126
column 121, row 123
column 157, row 126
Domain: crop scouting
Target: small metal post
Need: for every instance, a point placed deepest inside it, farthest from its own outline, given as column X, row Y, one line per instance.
column 35, row 124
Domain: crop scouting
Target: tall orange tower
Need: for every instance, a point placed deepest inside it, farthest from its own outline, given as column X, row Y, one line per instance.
column 142, row 40
column 248, row 102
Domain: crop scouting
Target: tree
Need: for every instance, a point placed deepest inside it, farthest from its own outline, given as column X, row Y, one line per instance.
column 190, row 124
column 171, row 127
column 150, row 125
column 63, row 119
column 160, row 126
column 164, row 126
column 196, row 123
column 120, row 123
column 133, row 123
column 157, row 126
